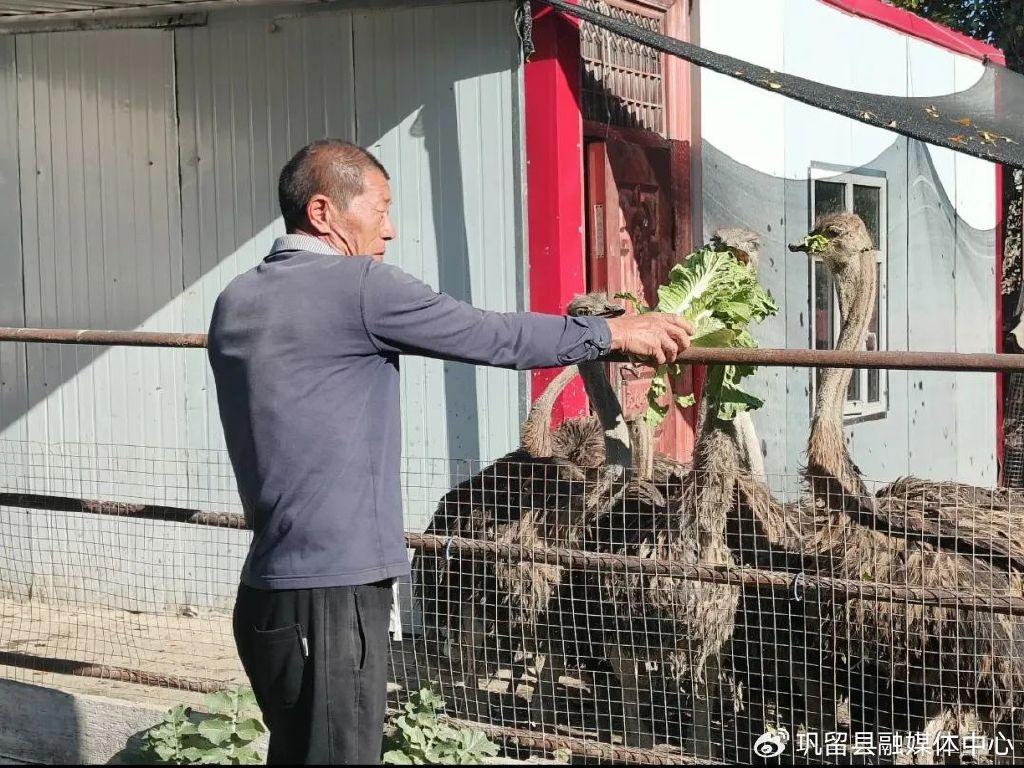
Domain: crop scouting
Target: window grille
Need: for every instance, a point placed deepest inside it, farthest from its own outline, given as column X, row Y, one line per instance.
column 622, row 80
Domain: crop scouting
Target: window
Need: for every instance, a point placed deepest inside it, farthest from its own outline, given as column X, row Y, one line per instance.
column 864, row 196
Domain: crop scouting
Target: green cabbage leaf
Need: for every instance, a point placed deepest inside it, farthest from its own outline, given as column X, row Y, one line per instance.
column 721, row 297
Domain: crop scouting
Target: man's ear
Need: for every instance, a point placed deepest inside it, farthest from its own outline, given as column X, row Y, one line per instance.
column 318, row 214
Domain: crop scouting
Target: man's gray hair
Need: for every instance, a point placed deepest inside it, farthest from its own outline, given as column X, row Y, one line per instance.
column 329, row 167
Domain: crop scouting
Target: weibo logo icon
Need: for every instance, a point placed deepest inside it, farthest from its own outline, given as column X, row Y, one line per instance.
column 772, row 743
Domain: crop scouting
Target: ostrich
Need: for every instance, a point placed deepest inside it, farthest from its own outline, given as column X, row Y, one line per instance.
column 950, row 514
column 745, row 244
column 557, row 497
column 538, row 494
column 680, row 624
column 855, row 535
column 544, row 493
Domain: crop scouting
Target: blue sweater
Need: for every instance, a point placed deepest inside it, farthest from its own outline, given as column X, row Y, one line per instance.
column 305, row 352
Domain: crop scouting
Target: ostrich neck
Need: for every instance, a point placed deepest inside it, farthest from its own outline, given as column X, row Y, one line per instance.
column 536, row 432
column 618, row 450
column 827, row 452
column 716, row 468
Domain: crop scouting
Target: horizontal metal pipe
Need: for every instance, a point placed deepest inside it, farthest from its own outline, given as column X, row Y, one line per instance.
column 815, row 586
column 122, row 509
column 103, row 338
column 106, row 672
column 41, row 20
column 775, row 581
column 550, row 742
column 982, row 362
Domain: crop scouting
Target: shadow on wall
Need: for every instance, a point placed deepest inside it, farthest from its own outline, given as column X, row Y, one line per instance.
column 225, row 106
column 42, row 726
column 940, row 281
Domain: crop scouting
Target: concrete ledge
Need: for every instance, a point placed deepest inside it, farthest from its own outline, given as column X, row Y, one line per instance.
column 51, row 726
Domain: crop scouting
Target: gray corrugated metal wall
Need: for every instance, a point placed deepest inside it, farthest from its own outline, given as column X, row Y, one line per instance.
column 13, row 402
column 148, row 165
column 97, row 154
column 435, row 91
column 111, row 242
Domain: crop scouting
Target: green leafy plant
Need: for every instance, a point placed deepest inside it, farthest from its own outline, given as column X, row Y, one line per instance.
column 222, row 734
column 721, row 297
column 419, row 736
column 816, row 243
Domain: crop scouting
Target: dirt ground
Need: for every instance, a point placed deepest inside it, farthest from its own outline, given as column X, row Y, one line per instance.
column 197, row 647
column 200, row 647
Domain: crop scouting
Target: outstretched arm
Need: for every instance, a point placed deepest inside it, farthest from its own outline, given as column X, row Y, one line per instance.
column 404, row 315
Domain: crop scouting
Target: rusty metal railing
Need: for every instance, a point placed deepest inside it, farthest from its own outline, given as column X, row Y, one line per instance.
column 981, row 362
column 758, row 578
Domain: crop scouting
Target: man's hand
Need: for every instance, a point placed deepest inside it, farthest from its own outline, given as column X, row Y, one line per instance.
column 657, row 336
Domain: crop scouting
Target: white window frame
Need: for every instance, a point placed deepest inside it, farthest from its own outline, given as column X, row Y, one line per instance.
column 855, row 410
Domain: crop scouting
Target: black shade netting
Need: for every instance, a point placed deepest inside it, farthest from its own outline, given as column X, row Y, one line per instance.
column 985, row 120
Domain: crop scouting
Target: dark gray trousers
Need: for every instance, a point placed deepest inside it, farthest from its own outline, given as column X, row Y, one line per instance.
column 317, row 660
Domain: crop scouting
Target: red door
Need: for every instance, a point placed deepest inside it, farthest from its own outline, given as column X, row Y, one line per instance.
column 634, row 237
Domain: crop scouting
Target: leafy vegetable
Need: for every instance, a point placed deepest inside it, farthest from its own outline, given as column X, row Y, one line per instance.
column 418, row 735
column 720, row 296
column 224, row 734
column 816, row 243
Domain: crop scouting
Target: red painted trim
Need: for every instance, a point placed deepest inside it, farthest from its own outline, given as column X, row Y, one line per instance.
column 911, row 24
column 554, row 180
column 1000, row 381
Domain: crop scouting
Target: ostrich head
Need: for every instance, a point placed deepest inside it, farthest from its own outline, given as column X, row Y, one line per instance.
column 843, row 242
column 618, row 449
column 595, row 304
column 744, row 243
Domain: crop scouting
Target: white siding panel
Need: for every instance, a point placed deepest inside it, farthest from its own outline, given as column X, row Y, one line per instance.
column 931, row 250
column 975, row 281
column 757, row 150
column 252, row 90
column 727, row 105
column 439, row 111
column 99, row 204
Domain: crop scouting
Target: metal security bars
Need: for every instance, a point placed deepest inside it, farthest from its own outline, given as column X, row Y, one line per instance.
column 623, row 83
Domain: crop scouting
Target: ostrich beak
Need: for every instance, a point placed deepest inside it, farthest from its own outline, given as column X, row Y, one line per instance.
column 815, row 242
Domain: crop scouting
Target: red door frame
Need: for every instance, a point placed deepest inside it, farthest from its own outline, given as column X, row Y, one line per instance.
column 554, row 172
column 554, row 180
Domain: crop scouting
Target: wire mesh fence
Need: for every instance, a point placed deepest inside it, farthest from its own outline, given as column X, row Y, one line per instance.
column 698, row 614
column 1013, row 432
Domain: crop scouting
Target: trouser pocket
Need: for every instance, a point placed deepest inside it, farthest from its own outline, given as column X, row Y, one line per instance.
column 277, row 663
column 373, row 617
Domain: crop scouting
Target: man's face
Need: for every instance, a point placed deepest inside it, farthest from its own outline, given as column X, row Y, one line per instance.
column 365, row 228
column 368, row 218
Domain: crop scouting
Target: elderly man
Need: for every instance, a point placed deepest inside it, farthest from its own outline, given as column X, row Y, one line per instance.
column 305, row 350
